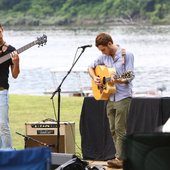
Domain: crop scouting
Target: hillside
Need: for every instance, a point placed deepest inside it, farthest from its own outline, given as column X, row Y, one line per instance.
column 83, row 12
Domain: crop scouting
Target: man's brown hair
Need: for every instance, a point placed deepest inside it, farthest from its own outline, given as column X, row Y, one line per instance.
column 103, row 39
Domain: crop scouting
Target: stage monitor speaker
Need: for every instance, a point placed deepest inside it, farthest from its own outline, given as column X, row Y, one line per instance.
column 58, row 159
column 147, row 151
column 45, row 133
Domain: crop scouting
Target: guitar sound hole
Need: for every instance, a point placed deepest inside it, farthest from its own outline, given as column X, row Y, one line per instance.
column 104, row 80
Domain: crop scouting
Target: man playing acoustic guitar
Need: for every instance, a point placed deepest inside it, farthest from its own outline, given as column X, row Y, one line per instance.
column 115, row 58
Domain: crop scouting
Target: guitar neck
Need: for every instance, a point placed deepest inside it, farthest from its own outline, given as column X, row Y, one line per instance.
column 124, row 75
column 107, row 79
column 40, row 41
column 20, row 50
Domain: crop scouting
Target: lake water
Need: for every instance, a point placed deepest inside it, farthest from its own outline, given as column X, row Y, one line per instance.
column 149, row 44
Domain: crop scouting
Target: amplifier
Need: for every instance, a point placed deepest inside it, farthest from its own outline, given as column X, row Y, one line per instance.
column 46, row 133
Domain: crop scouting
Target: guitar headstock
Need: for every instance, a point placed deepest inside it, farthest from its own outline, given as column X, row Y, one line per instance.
column 41, row 40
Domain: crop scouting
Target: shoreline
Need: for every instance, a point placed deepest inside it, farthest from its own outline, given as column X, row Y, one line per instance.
column 85, row 23
column 77, row 27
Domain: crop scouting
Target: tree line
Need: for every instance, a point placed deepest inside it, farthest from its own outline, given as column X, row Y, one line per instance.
column 68, row 12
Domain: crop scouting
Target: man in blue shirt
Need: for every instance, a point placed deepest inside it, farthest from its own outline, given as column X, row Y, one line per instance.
column 113, row 56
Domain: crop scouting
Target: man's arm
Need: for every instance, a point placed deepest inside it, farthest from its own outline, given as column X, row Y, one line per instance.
column 93, row 76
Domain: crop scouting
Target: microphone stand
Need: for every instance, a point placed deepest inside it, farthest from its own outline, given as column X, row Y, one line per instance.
column 35, row 140
column 59, row 98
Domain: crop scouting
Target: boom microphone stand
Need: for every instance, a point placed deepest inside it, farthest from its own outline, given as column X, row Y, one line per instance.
column 59, row 95
column 35, row 140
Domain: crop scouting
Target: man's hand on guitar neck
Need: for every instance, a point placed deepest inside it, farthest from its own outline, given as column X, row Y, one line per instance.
column 122, row 79
column 114, row 80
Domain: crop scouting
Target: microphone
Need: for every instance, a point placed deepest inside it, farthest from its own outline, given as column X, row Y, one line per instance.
column 85, row 46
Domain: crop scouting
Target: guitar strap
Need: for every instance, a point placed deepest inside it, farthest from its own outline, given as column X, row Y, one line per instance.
column 123, row 56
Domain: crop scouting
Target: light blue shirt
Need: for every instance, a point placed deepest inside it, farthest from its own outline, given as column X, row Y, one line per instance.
column 122, row 90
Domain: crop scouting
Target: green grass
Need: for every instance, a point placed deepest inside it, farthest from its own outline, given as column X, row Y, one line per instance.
column 27, row 108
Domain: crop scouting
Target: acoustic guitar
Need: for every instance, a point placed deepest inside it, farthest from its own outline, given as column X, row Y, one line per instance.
column 107, row 88
column 40, row 41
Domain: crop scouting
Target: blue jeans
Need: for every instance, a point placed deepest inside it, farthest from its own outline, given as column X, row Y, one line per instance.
column 5, row 135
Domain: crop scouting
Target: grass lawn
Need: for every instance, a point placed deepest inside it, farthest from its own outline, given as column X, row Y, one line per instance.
column 28, row 108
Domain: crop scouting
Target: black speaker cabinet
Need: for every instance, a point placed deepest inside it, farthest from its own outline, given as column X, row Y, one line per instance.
column 147, row 151
column 46, row 133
